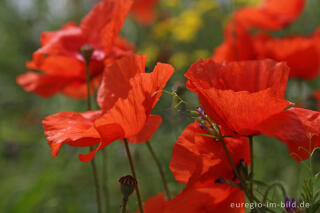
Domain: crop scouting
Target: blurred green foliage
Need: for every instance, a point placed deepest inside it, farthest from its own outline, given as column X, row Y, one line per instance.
column 32, row 181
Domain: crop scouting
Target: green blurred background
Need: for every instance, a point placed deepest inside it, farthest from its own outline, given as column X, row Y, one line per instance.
column 31, row 180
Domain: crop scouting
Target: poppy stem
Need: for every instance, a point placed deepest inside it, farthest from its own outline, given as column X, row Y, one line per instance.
column 88, row 86
column 242, row 185
column 93, row 162
column 252, row 163
column 133, row 174
column 96, row 182
column 124, row 205
column 163, row 178
column 105, row 179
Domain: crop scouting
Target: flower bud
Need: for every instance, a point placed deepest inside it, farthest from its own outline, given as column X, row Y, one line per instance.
column 86, row 51
column 128, row 185
column 242, row 169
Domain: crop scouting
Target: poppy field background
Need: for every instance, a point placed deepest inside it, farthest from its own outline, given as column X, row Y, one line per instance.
column 184, row 31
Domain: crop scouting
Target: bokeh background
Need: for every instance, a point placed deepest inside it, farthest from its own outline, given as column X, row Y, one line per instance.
column 31, row 180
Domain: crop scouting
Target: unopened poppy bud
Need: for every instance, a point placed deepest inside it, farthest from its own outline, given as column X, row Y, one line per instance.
column 226, row 181
column 128, row 185
column 220, row 180
column 243, row 169
column 86, row 51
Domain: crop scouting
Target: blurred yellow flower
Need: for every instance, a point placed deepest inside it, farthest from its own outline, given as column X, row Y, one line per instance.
column 151, row 51
column 162, row 29
column 179, row 60
column 204, row 6
column 172, row 3
column 200, row 53
column 249, row 2
column 186, row 26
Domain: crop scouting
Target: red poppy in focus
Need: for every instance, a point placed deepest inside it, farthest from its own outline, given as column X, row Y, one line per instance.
column 126, row 96
column 143, row 11
column 198, row 161
column 271, row 15
column 301, row 53
column 59, row 61
column 155, row 204
column 245, row 97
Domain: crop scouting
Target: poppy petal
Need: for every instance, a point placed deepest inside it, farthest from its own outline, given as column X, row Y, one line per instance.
column 300, row 53
column 116, row 80
column 148, row 130
column 143, row 11
column 298, row 128
column 271, row 15
column 114, row 131
column 41, row 84
column 241, row 111
column 74, row 129
column 132, row 111
column 207, row 200
column 155, row 204
column 104, row 22
column 251, row 76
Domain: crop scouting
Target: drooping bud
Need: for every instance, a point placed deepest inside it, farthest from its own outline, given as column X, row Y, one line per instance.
column 220, row 180
column 86, row 51
column 242, row 169
column 226, row 181
column 128, row 185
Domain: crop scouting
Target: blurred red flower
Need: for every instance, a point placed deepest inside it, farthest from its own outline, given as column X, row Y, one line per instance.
column 143, row 11
column 271, row 14
column 126, row 96
column 301, row 53
column 247, row 98
column 59, row 60
column 237, row 44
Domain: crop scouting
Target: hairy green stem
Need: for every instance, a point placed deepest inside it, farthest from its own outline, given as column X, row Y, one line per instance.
column 265, row 197
column 163, row 178
column 93, row 163
column 133, row 170
column 105, row 180
column 124, row 205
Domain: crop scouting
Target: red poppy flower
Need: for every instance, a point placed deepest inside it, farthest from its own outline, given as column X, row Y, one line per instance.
column 298, row 128
column 132, row 94
column 301, row 53
column 245, row 97
column 59, row 60
column 155, row 204
column 271, row 15
column 143, row 11
column 239, row 95
column 198, row 161
column 237, row 45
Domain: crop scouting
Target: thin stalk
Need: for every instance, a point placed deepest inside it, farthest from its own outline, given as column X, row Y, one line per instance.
column 163, row 178
column 265, row 197
column 96, row 182
column 252, row 163
column 105, row 180
column 124, row 205
column 93, row 163
column 88, row 86
column 133, row 170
